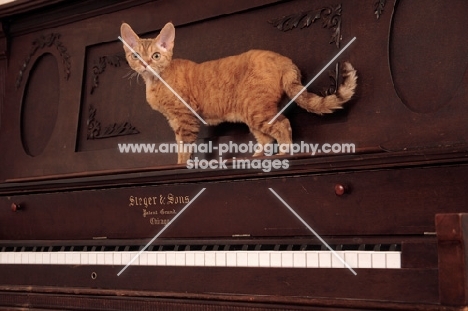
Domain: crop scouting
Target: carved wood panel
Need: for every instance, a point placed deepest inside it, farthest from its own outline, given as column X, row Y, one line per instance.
column 410, row 61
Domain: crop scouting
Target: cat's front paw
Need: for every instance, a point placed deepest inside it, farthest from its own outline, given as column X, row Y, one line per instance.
column 183, row 157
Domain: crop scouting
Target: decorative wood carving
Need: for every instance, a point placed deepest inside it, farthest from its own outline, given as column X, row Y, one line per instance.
column 330, row 16
column 111, row 130
column 46, row 41
column 334, row 76
column 100, row 66
column 379, row 7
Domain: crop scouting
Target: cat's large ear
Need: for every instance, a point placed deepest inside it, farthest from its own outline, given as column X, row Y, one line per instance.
column 129, row 36
column 166, row 37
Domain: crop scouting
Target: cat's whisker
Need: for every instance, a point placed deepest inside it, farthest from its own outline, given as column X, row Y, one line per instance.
column 131, row 74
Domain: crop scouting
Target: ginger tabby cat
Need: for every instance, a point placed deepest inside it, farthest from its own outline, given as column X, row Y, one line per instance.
column 244, row 88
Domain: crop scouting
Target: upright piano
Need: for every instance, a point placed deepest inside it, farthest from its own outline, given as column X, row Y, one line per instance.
column 378, row 220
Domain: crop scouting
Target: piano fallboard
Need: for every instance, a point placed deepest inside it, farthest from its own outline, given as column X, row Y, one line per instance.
column 372, row 204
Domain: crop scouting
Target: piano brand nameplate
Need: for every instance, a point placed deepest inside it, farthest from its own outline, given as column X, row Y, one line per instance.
column 158, row 209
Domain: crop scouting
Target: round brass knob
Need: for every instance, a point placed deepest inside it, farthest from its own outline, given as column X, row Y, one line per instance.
column 15, row 207
column 340, row 189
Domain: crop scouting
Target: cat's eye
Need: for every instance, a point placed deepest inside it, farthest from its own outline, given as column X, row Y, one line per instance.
column 156, row 55
column 135, row 55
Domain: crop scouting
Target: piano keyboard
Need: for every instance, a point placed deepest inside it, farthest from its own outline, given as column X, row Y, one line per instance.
column 259, row 259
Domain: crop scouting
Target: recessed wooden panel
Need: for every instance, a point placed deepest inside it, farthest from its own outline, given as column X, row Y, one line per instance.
column 40, row 105
column 428, row 54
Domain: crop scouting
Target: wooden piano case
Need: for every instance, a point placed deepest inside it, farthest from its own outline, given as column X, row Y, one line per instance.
column 67, row 102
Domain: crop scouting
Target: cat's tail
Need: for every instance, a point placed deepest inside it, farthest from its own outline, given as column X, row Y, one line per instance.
column 317, row 104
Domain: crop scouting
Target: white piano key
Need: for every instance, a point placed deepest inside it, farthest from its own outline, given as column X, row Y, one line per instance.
column 100, row 258
column 24, row 258
column 325, row 259
column 170, row 258
column 18, row 258
column 299, row 259
column 180, row 258
column 144, row 259
column 252, row 259
column 221, row 259
column 11, row 258
column 287, row 260
column 118, row 260
column 275, row 259
column 68, row 258
column 190, row 259
column 351, row 259
column 338, row 259
column 38, row 259
column 76, row 258
column 242, row 260
column 264, row 259
column 161, row 256
column 84, row 260
column 365, row 260
column 231, row 259
column 199, row 259
column 32, row 258
column 210, row 259
column 61, row 258
column 92, row 258
column 137, row 257
column 378, row 260
column 108, row 258
column 45, row 258
column 312, row 259
column 54, row 258
column 393, row 260
column 152, row 258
